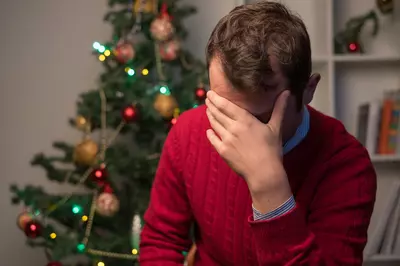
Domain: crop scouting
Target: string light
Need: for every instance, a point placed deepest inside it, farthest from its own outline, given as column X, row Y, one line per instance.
column 81, row 247
column 76, row 209
column 107, row 52
column 131, row 72
column 84, row 218
column 165, row 90
column 101, row 49
column 194, row 106
column 96, row 45
column 53, row 235
column 145, row 72
column 100, row 263
column 134, row 251
column 102, row 57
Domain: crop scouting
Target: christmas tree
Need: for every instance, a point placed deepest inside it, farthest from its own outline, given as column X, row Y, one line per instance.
column 148, row 80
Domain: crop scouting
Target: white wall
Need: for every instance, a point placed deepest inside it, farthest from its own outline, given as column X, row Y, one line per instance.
column 45, row 63
column 209, row 13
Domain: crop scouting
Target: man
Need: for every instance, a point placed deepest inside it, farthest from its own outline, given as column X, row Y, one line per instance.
column 267, row 179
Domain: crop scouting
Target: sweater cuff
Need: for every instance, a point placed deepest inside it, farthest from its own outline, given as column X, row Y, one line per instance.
column 286, row 207
column 282, row 232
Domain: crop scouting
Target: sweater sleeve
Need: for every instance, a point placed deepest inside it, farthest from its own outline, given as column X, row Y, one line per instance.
column 168, row 218
column 334, row 232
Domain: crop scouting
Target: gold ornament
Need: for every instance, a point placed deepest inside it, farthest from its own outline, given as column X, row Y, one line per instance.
column 23, row 219
column 145, row 6
column 107, row 204
column 165, row 105
column 81, row 123
column 85, row 152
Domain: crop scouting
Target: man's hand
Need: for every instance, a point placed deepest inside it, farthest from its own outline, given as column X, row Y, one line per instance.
column 252, row 149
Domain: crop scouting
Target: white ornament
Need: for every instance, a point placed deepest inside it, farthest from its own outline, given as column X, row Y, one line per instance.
column 161, row 29
column 136, row 231
column 107, row 204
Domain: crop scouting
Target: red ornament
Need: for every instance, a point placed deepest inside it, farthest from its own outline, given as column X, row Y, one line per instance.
column 201, row 94
column 33, row 229
column 124, row 52
column 130, row 114
column 99, row 174
column 353, row 47
column 54, row 263
column 169, row 51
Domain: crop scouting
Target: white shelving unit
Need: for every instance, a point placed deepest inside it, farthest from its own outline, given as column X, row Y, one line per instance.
column 351, row 79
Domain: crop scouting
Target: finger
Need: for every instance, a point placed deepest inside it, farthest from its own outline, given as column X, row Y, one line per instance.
column 220, row 117
column 216, row 126
column 279, row 111
column 214, row 140
column 226, row 107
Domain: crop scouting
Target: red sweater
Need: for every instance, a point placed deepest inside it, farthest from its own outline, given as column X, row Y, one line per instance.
column 331, row 177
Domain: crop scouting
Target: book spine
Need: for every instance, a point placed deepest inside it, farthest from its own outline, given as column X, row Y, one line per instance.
column 393, row 127
column 385, row 125
column 374, row 116
column 362, row 127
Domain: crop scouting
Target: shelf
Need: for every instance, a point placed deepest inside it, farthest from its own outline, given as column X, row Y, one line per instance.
column 320, row 59
column 367, row 58
column 385, row 158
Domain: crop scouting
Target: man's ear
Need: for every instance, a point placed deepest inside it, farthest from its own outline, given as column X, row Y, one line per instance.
column 309, row 91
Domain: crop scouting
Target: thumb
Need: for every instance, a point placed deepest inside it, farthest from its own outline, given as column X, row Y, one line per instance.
column 279, row 110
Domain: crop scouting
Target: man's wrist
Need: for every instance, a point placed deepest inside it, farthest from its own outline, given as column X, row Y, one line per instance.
column 277, row 191
column 271, row 201
column 286, row 207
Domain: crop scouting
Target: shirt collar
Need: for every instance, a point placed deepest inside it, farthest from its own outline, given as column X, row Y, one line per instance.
column 300, row 134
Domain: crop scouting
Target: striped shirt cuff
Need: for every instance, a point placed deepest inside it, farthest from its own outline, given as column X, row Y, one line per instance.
column 281, row 210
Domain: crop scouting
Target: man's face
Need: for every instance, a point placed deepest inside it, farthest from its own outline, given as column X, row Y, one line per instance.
column 260, row 104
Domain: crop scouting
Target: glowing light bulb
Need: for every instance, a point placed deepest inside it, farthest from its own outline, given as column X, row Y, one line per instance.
column 107, row 53
column 100, row 263
column 76, row 209
column 145, row 72
column 53, row 235
column 84, row 218
column 96, row 45
column 101, row 49
column 131, row 72
column 134, row 251
column 102, row 57
column 163, row 90
column 81, row 247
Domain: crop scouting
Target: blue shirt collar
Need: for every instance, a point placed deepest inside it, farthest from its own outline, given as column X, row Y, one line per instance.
column 300, row 134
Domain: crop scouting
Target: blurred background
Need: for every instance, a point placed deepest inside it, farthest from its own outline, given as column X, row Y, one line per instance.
column 46, row 62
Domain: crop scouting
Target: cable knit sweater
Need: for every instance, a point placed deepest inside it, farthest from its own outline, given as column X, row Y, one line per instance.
column 332, row 179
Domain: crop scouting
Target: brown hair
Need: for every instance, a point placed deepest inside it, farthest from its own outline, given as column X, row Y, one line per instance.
column 246, row 38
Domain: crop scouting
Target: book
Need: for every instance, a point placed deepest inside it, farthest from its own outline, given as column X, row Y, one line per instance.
column 368, row 125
